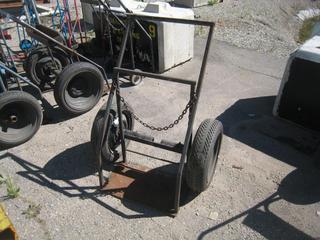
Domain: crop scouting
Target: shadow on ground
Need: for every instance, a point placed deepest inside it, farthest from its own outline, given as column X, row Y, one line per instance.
column 78, row 162
column 299, row 187
column 250, row 121
column 51, row 113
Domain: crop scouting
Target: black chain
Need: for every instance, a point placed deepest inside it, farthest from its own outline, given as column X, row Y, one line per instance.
column 192, row 101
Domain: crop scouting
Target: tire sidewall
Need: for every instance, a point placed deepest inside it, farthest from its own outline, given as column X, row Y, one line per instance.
column 18, row 96
column 64, row 79
column 198, row 175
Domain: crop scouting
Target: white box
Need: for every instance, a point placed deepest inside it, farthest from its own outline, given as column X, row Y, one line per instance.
column 298, row 99
column 175, row 41
column 191, row 3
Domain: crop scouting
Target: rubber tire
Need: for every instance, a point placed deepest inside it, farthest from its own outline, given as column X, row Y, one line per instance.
column 108, row 155
column 136, row 80
column 86, row 71
column 33, row 59
column 201, row 155
column 22, row 135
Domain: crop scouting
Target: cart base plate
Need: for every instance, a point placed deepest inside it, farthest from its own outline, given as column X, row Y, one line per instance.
column 151, row 187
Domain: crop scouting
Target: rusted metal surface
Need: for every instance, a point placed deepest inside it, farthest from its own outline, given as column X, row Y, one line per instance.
column 151, row 187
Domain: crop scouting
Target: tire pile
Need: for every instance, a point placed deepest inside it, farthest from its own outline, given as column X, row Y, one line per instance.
column 77, row 88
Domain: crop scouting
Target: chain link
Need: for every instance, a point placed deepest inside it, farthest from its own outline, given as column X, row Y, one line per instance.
column 192, row 101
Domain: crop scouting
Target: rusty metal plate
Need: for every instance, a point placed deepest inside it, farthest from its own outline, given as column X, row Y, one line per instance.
column 152, row 187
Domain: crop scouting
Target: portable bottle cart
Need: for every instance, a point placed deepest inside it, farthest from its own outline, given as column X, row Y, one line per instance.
column 113, row 125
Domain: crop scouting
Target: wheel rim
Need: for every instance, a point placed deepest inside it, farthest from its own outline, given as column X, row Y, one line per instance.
column 18, row 120
column 135, row 79
column 213, row 163
column 82, row 91
column 25, row 44
column 46, row 69
column 112, row 139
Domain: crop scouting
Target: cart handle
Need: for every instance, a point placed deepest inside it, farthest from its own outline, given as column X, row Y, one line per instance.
column 2, row 65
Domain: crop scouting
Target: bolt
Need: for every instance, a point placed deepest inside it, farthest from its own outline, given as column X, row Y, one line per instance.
column 13, row 118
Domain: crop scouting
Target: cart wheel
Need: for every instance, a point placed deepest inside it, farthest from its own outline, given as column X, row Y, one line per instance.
column 78, row 88
column 202, row 160
column 25, row 44
column 20, row 118
column 135, row 79
column 111, row 149
column 40, row 68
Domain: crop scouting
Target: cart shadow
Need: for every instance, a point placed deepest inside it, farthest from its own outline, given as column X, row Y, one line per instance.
column 62, row 172
column 53, row 114
column 250, row 121
column 152, row 187
column 299, row 187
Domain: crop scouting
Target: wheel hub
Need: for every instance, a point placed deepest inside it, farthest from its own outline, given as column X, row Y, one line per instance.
column 78, row 88
column 13, row 119
column 116, row 122
column 48, row 68
column 76, row 92
column 9, row 118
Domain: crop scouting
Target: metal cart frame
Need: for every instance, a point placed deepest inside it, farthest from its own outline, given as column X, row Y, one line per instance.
column 195, row 91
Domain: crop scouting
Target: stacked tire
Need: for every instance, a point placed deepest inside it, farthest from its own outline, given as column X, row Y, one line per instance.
column 77, row 86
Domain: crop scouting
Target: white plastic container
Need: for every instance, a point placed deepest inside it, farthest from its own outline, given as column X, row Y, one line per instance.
column 175, row 41
column 191, row 3
column 134, row 6
column 87, row 9
column 298, row 99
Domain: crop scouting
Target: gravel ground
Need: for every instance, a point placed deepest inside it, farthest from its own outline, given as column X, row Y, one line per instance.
column 266, row 26
column 265, row 186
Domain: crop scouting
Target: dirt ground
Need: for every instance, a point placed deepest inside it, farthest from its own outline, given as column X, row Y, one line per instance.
column 266, row 184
